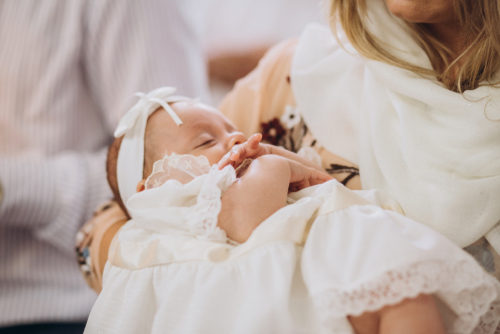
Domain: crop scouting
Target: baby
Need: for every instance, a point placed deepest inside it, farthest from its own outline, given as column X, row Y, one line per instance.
column 256, row 210
column 205, row 131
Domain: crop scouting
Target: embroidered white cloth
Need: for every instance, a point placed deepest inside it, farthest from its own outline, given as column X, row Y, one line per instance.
column 171, row 271
column 435, row 151
column 181, row 167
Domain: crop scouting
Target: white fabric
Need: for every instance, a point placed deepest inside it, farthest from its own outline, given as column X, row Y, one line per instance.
column 435, row 151
column 162, row 278
column 67, row 71
column 193, row 207
column 183, row 168
column 130, row 164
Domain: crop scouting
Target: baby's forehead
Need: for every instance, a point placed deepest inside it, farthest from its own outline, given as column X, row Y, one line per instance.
column 194, row 110
column 195, row 116
column 192, row 114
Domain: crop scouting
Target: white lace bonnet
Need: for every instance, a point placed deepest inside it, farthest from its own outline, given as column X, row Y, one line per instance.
column 130, row 162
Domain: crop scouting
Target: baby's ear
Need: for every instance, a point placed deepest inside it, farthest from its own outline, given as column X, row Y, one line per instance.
column 141, row 185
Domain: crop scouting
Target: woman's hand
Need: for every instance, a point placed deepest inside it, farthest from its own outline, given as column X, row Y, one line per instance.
column 251, row 149
column 302, row 177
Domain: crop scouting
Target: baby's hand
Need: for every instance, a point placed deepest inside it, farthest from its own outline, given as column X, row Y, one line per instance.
column 252, row 149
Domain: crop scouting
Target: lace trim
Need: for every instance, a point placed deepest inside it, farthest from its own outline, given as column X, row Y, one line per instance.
column 181, row 167
column 203, row 220
column 472, row 294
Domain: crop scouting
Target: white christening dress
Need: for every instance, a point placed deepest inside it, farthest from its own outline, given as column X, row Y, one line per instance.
column 330, row 253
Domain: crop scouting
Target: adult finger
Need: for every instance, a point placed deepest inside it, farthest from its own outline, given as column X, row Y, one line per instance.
column 318, row 177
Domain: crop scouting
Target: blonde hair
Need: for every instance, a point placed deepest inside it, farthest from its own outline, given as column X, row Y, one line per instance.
column 480, row 20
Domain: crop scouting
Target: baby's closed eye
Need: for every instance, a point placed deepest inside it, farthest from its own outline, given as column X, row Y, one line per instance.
column 206, row 142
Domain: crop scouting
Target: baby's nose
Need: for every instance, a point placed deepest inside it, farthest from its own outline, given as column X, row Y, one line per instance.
column 236, row 138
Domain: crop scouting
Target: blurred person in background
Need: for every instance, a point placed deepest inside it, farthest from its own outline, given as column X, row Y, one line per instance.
column 66, row 68
column 237, row 33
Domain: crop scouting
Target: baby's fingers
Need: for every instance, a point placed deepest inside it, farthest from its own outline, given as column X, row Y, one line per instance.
column 238, row 152
column 254, row 141
column 233, row 157
column 226, row 160
column 248, row 149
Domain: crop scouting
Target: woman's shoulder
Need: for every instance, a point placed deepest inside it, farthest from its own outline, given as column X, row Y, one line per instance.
column 278, row 60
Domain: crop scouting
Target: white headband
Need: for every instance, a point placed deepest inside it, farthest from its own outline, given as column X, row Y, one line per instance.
column 130, row 162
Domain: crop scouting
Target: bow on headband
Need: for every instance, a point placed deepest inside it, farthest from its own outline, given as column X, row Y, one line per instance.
column 133, row 125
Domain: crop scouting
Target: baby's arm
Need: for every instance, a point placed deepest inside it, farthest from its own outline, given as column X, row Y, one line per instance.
column 262, row 191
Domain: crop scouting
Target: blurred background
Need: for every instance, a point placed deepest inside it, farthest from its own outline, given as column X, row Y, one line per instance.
column 236, row 34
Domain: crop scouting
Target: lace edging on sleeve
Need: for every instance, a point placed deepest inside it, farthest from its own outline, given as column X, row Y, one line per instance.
column 471, row 294
column 204, row 217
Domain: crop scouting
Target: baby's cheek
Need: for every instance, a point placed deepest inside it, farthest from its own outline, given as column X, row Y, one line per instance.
column 214, row 154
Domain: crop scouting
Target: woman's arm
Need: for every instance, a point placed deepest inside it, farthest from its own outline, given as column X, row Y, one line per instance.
column 94, row 239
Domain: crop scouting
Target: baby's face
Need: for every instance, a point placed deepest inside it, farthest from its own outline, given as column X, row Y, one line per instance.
column 205, row 131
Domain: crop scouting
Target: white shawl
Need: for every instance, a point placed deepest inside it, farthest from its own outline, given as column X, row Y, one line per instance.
column 434, row 150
